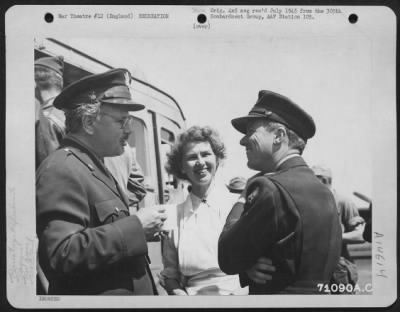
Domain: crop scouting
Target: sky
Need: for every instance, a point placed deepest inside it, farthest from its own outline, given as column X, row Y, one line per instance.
column 215, row 81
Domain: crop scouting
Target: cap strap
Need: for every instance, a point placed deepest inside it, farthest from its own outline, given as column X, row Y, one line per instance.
column 116, row 92
column 269, row 115
column 261, row 112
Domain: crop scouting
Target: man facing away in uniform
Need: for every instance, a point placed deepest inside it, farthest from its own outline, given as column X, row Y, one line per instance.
column 288, row 215
column 352, row 225
column 49, row 121
column 89, row 244
column 49, row 83
column 351, row 222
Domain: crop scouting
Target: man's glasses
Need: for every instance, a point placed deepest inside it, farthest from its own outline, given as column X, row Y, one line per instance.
column 126, row 122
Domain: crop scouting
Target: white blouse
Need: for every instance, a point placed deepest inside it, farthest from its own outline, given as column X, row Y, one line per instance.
column 190, row 252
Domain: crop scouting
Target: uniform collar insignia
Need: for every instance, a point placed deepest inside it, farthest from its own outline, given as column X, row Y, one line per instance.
column 252, row 195
column 127, row 79
column 92, row 96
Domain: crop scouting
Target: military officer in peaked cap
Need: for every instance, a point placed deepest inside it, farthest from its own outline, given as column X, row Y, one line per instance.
column 289, row 217
column 89, row 244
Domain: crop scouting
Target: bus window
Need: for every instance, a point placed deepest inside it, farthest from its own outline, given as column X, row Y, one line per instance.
column 167, row 140
column 137, row 141
column 170, row 183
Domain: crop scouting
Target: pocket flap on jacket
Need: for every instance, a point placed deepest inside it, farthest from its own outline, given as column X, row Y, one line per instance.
column 110, row 207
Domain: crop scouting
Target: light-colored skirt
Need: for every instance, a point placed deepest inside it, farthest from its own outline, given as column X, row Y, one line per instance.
column 213, row 283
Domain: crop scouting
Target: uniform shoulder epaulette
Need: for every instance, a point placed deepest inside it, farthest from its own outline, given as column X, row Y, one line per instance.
column 71, row 152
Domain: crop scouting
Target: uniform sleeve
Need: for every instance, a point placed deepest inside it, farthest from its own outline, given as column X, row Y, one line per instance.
column 253, row 234
column 67, row 239
column 170, row 258
column 234, row 215
column 57, row 124
column 46, row 139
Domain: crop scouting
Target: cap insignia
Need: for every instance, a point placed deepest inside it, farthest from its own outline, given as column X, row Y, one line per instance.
column 127, row 79
column 252, row 196
column 92, row 97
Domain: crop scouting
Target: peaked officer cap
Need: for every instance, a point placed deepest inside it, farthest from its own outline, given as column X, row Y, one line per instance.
column 279, row 108
column 236, row 184
column 110, row 87
column 320, row 170
column 55, row 63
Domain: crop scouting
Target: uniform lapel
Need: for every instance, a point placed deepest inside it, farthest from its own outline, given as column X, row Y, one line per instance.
column 96, row 166
column 105, row 176
column 108, row 181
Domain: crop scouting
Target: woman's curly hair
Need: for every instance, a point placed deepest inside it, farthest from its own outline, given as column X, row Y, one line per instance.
column 193, row 134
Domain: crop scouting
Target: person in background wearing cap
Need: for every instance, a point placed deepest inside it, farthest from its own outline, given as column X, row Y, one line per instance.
column 236, row 185
column 352, row 227
column 351, row 221
column 49, row 83
column 89, row 244
column 288, row 217
column 49, row 121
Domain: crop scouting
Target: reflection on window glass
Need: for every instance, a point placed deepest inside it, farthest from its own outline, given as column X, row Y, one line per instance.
column 167, row 137
column 137, row 141
column 167, row 140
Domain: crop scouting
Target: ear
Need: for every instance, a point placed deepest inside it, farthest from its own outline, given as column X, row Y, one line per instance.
column 280, row 134
column 88, row 124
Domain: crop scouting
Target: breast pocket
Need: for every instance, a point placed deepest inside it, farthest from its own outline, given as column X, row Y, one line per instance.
column 110, row 210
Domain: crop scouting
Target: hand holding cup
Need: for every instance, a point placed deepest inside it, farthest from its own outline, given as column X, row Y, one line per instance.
column 152, row 219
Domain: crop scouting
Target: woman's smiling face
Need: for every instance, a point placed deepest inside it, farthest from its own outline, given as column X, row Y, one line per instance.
column 199, row 163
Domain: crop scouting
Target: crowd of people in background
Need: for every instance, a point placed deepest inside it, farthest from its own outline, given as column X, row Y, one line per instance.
column 283, row 230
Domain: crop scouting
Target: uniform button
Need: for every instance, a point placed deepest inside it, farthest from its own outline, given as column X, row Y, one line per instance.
column 117, row 209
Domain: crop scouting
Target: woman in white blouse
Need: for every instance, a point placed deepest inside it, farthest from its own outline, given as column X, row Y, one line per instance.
column 190, row 251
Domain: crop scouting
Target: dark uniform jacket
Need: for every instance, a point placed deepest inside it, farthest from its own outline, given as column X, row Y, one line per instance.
column 88, row 242
column 56, row 118
column 46, row 139
column 290, row 217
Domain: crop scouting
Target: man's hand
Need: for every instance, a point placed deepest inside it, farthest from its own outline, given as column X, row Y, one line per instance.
column 179, row 292
column 152, row 219
column 355, row 233
column 261, row 272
